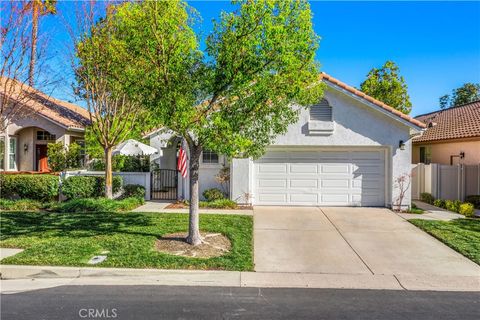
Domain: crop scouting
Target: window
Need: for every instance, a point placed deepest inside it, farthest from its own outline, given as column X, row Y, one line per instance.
column 321, row 111
column 425, row 155
column 45, row 135
column 209, row 157
column 12, row 156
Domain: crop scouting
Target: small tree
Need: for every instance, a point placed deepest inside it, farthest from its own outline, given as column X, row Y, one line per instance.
column 236, row 96
column 387, row 85
column 402, row 184
column 61, row 158
column 102, row 83
column 467, row 93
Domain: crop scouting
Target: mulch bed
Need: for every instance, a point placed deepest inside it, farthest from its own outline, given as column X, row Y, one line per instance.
column 214, row 245
column 183, row 205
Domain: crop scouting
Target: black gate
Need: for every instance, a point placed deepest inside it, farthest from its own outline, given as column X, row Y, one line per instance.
column 164, row 184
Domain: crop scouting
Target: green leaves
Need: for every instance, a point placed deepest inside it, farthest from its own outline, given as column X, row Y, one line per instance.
column 386, row 85
column 467, row 93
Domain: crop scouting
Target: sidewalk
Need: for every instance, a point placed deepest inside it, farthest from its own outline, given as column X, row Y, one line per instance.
column 25, row 278
column 160, row 207
column 431, row 213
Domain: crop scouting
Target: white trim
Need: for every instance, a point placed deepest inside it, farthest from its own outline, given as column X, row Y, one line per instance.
column 374, row 106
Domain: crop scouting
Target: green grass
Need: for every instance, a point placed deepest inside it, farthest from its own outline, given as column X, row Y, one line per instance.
column 71, row 239
column 462, row 235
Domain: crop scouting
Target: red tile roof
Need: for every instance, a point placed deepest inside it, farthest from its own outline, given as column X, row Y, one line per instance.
column 64, row 113
column 376, row 102
column 454, row 123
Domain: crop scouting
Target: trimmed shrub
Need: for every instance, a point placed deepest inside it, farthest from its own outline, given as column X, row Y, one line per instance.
column 42, row 187
column 467, row 209
column 427, row 197
column 222, row 204
column 213, row 194
column 79, row 187
column 473, row 199
column 439, row 203
column 98, row 205
column 452, row 205
column 133, row 190
column 20, row 205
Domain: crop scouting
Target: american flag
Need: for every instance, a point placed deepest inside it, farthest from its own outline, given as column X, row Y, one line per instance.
column 182, row 160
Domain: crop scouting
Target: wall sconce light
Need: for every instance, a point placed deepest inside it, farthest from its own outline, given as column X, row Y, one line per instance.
column 401, row 145
column 25, row 147
column 462, row 155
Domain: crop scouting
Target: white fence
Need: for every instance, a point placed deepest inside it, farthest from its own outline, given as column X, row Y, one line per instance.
column 444, row 181
column 141, row 178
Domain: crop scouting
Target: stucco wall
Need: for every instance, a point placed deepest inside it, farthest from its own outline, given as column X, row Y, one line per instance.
column 440, row 152
column 355, row 125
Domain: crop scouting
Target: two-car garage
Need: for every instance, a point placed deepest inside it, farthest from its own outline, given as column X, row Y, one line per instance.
column 323, row 177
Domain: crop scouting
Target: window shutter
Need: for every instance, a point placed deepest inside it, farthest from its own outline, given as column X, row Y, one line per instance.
column 321, row 111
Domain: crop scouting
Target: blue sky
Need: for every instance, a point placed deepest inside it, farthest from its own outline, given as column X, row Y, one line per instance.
column 436, row 44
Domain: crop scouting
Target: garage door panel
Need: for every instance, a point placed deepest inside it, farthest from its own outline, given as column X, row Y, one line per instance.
column 335, row 168
column 272, row 168
column 303, row 168
column 336, row 178
column 306, row 198
column 304, row 183
column 265, row 183
column 335, row 183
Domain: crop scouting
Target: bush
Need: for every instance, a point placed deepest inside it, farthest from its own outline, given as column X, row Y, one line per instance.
column 41, row 187
column 78, row 187
column 452, row 205
column 427, row 197
column 467, row 209
column 213, row 194
column 98, row 205
column 473, row 199
column 20, row 205
column 439, row 203
column 133, row 190
column 220, row 204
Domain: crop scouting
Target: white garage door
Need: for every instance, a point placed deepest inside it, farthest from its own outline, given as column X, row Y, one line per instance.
column 328, row 178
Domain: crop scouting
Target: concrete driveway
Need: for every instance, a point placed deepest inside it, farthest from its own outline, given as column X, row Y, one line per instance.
column 349, row 241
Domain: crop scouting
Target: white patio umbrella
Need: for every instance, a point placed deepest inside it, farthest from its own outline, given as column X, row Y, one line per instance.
column 135, row 148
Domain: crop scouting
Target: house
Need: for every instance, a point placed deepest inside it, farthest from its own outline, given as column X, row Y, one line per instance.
column 347, row 150
column 452, row 136
column 23, row 145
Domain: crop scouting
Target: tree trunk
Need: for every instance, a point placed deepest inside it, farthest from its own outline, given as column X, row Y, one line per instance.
column 108, row 173
column 33, row 49
column 194, row 237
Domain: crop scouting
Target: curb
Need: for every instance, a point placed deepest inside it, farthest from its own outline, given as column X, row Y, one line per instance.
column 123, row 276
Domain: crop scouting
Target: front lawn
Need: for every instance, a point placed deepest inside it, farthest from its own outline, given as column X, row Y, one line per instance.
column 462, row 235
column 71, row 239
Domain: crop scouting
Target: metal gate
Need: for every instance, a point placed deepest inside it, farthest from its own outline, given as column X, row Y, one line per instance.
column 164, row 184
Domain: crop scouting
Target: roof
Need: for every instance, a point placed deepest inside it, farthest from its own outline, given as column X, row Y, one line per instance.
column 64, row 113
column 372, row 100
column 453, row 123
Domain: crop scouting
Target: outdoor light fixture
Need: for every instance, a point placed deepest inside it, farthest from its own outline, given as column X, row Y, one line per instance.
column 462, row 155
column 25, row 147
column 401, row 145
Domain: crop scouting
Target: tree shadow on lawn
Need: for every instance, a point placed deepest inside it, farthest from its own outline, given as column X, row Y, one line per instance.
column 14, row 224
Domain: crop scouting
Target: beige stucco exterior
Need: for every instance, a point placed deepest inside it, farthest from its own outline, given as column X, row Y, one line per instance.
column 441, row 151
column 24, row 130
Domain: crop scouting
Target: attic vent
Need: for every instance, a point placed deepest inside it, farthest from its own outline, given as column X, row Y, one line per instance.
column 321, row 111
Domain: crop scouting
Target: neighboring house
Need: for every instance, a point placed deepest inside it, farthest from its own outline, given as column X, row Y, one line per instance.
column 347, row 150
column 44, row 120
column 452, row 136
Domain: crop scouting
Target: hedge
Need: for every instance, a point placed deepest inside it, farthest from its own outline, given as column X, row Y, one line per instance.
column 80, row 187
column 42, row 187
column 133, row 190
column 98, row 205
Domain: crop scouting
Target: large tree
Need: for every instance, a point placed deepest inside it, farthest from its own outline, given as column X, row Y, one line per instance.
column 38, row 8
column 238, row 94
column 467, row 93
column 387, row 85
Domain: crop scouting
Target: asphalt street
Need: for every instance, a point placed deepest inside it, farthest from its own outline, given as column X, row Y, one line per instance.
column 167, row 302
